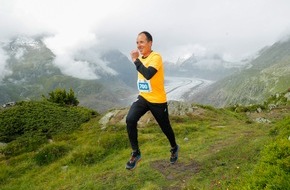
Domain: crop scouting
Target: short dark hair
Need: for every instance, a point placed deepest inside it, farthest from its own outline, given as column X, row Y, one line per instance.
column 148, row 36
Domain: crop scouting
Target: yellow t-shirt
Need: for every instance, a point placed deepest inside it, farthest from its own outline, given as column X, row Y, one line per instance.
column 156, row 93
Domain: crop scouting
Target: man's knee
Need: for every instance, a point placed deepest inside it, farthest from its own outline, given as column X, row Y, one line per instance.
column 131, row 120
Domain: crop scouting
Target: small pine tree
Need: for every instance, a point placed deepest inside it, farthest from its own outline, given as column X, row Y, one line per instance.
column 60, row 96
column 71, row 99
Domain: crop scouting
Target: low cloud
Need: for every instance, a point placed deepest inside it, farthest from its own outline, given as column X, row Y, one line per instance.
column 179, row 28
column 3, row 69
column 66, row 47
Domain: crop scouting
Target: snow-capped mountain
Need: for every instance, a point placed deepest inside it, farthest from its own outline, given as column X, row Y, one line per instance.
column 212, row 67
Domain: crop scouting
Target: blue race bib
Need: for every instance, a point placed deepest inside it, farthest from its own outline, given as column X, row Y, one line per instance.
column 144, row 86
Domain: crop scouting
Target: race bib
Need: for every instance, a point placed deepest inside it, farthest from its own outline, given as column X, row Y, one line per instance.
column 144, row 86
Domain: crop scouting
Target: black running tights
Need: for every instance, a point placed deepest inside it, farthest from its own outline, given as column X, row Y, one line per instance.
column 160, row 113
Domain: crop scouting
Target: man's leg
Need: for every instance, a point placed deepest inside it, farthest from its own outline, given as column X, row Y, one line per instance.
column 160, row 113
column 137, row 110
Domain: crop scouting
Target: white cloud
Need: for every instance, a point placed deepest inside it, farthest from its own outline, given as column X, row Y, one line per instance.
column 3, row 70
column 79, row 69
column 65, row 46
column 234, row 29
column 71, row 26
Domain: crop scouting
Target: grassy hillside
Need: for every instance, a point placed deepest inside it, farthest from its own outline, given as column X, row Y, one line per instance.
column 220, row 149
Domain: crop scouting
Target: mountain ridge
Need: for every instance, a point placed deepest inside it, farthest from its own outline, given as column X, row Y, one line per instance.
column 269, row 73
column 210, row 67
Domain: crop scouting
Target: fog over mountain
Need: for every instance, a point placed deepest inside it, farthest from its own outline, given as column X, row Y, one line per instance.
column 3, row 69
column 106, row 78
column 266, row 75
column 101, row 78
column 86, row 44
column 32, row 71
column 231, row 29
column 211, row 67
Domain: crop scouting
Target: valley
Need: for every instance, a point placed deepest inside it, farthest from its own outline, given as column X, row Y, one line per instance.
column 181, row 88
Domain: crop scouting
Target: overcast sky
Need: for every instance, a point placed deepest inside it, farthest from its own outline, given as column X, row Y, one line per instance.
column 232, row 28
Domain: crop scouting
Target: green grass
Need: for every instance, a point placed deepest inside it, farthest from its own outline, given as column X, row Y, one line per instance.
column 219, row 149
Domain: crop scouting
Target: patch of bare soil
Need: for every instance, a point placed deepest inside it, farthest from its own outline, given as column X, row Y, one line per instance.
column 179, row 171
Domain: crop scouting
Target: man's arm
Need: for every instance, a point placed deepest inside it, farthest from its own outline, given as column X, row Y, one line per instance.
column 148, row 73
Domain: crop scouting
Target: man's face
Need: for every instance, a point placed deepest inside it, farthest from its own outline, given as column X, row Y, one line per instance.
column 143, row 45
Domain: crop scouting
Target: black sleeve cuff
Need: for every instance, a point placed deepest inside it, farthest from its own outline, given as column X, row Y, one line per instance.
column 137, row 62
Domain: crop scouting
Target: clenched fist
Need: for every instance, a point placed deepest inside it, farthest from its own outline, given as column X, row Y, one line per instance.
column 134, row 54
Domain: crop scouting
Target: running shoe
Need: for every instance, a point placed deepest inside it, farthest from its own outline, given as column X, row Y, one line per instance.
column 132, row 163
column 174, row 154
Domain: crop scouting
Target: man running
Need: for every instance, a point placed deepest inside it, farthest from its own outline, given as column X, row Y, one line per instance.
column 152, row 97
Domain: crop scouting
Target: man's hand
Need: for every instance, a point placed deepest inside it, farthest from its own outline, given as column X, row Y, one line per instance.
column 134, row 55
